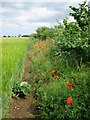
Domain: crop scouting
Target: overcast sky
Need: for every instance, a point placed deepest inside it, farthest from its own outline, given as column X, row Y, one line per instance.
column 25, row 16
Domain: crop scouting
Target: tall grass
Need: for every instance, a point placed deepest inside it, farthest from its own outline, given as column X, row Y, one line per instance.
column 13, row 57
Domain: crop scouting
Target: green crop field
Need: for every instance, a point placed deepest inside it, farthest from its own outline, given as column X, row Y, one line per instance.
column 13, row 57
column 0, row 76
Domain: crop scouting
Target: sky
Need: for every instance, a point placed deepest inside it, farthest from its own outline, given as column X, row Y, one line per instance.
column 25, row 16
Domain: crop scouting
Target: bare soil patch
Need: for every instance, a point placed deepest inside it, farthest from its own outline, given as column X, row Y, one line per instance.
column 23, row 107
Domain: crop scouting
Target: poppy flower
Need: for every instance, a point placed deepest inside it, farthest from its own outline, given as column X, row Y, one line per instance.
column 69, row 85
column 38, row 50
column 53, row 71
column 39, row 43
column 46, row 51
column 43, row 59
column 32, row 47
column 69, row 101
column 56, row 76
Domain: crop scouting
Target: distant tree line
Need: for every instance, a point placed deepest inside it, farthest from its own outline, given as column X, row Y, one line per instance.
column 8, row 36
column 16, row 36
column 25, row 36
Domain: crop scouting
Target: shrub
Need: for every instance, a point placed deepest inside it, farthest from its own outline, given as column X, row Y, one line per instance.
column 61, row 90
column 45, row 32
column 21, row 89
column 72, row 38
column 57, row 101
column 72, row 42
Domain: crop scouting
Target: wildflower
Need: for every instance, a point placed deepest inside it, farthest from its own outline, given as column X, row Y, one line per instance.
column 69, row 85
column 32, row 47
column 56, row 76
column 43, row 59
column 69, row 101
column 38, row 50
column 53, row 71
column 39, row 43
column 46, row 51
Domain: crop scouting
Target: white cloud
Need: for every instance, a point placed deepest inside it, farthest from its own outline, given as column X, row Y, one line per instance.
column 25, row 15
column 22, row 18
column 3, row 10
column 74, row 1
column 2, row 20
column 1, row 23
column 42, row 12
column 70, row 18
column 35, row 13
column 19, row 4
column 39, row 24
column 24, row 26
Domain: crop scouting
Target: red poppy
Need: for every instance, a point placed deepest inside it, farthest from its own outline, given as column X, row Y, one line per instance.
column 69, row 101
column 69, row 85
column 38, row 50
column 53, row 71
column 56, row 76
column 39, row 43
column 43, row 59
column 32, row 47
column 46, row 51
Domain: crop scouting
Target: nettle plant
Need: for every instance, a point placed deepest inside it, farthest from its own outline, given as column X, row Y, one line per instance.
column 21, row 89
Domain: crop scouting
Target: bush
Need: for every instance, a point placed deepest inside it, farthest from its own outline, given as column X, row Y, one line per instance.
column 72, row 42
column 72, row 38
column 53, row 98
column 61, row 76
column 45, row 32
column 21, row 89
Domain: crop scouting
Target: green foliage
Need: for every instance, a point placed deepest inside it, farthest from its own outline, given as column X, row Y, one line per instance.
column 51, row 94
column 71, row 38
column 38, row 51
column 34, row 35
column 21, row 89
column 69, row 55
column 52, row 98
column 45, row 32
column 81, row 15
column 73, row 42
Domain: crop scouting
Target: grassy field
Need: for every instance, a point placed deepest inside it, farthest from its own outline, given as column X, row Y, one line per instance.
column 13, row 56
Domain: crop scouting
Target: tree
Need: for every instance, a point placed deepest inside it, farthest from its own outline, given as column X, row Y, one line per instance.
column 45, row 32
column 81, row 15
column 4, row 36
